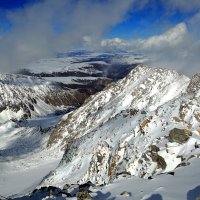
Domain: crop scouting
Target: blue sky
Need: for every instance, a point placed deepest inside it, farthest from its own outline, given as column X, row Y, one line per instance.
column 35, row 29
column 11, row 6
column 145, row 23
column 15, row 4
column 150, row 20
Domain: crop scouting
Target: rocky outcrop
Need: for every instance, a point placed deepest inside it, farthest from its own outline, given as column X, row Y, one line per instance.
column 194, row 85
column 179, row 135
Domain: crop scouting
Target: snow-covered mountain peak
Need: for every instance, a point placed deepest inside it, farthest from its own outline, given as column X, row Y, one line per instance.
column 153, row 72
column 144, row 88
column 130, row 127
column 151, row 87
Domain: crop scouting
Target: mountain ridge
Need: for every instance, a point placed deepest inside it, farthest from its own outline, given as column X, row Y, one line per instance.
column 130, row 127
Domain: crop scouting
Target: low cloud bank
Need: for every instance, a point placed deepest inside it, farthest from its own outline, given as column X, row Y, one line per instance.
column 177, row 49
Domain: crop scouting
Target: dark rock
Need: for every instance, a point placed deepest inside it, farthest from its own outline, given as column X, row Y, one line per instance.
column 43, row 188
column 126, row 194
column 154, row 148
column 65, row 193
column 159, row 159
column 83, row 195
column 67, row 186
column 86, row 186
column 179, row 135
column 143, row 112
column 123, row 173
column 133, row 112
column 171, row 173
column 34, row 191
column 183, row 164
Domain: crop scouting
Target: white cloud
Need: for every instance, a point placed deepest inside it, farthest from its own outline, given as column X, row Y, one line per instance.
column 172, row 37
column 182, row 5
column 114, row 43
column 34, row 35
column 175, row 49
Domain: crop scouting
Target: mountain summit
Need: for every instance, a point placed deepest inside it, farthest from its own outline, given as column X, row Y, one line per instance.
column 147, row 123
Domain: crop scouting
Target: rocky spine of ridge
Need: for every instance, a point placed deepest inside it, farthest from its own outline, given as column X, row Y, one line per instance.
column 194, row 85
column 145, row 124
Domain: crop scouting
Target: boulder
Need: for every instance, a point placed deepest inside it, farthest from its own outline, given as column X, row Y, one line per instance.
column 83, row 195
column 179, row 135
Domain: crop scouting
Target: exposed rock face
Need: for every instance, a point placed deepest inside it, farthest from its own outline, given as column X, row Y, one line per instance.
column 194, row 85
column 126, row 129
column 179, row 135
column 159, row 160
column 83, row 195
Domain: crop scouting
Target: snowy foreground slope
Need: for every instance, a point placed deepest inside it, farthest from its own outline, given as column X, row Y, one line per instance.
column 145, row 124
column 183, row 185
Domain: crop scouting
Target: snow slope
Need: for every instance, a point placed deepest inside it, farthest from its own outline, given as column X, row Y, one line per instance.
column 184, row 184
column 24, row 159
column 145, row 124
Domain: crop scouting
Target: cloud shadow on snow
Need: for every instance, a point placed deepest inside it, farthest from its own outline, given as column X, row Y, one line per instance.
column 194, row 194
column 105, row 196
column 155, row 197
column 26, row 143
